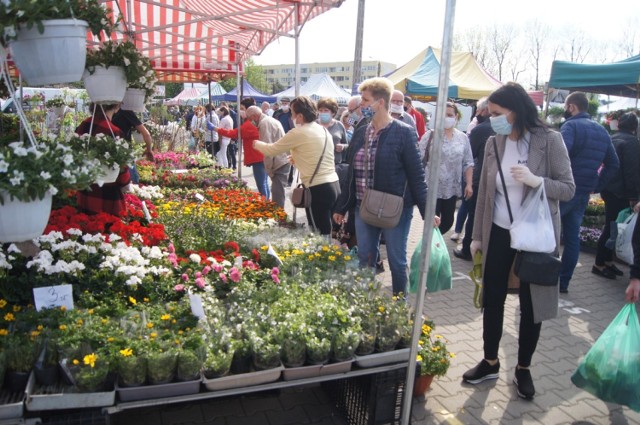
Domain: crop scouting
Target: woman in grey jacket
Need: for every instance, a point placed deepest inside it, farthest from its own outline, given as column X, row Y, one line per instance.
column 530, row 155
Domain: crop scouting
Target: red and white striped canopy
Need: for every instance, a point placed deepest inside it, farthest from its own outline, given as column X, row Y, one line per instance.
column 204, row 40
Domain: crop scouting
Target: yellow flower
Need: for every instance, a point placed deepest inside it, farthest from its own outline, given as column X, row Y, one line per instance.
column 264, row 247
column 3, row 303
column 338, row 253
column 165, row 317
column 4, row 332
column 317, row 254
column 90, row 360
column 180, row 332
column 419, row 358
column 381, row 309
column 9, row 317
column 63, row 308
column 76, row 362
column 149, row 325
column 332, row 258
column 310, row 257
column 145, row 299
column 452, row 355
column 90, row 311
column 80, row 322
column 153, row 335
column 177, row 341
column 325, row 248
column 126, row 352
column 174, row 321
column 347, row 257
column 133, row 301
column 110, row 339
column 34, row 334
column 104, row 321
column 63, row 327
column 16, row 308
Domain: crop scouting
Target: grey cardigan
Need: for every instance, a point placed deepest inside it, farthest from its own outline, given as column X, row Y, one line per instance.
column 548, row 158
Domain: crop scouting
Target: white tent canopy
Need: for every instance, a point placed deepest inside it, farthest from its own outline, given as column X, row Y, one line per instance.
column 317, row 87
column 620, row 103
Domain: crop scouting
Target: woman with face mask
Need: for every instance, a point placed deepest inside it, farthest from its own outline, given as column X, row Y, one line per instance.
column 529, row 154
column 456, row 161
column 311, row 149
column 327, row 109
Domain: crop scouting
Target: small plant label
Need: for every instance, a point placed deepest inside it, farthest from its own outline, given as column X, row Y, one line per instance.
column 53, row 296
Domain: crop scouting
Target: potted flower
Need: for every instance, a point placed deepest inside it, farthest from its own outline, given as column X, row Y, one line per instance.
column 266, row 352
column 113, row 153
column 433, row 358
column 113, row 67
column 190, row 358
column 345, row 344
column 30, row 176
column 162, row 361
column 131, row 364
column 218, row 361
column 90, row 371
column 141, row 78
column 37, row 35
column 21, row 352
column 318, row 349
column 57, row 104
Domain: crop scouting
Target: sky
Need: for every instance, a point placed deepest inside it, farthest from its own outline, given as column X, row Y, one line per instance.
column 396, row 31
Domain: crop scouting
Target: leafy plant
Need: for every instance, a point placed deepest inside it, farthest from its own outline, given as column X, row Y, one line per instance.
column 108, row 150
column 55, row 102
column 18, row 14
column 433, row 356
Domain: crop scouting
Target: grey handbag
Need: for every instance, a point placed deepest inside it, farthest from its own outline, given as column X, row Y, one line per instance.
column 379, row 209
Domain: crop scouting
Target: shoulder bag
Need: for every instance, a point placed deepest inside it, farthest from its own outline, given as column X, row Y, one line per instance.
column 379, row 209
column 301, row 195
column 540, row 268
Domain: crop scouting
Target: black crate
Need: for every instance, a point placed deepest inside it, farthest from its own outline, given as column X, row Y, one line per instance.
column 369, row 399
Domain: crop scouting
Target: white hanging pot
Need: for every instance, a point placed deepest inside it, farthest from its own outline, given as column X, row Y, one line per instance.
column 22, row 221
column 59, row 111
column 105, row 85
column 133, row 100
column 108, row 175
column 56, row 56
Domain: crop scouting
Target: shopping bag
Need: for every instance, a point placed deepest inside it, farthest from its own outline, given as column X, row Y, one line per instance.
column 532, row 229
column 476, row 277
column 439, row 275
column 611, row 368
column 624, row 249
column 613, row 234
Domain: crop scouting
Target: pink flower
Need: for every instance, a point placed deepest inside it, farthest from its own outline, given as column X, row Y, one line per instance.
column 234, row 275
column 275, row 278
column 275, row 271
column 185, row 277
column 198, row 275
column 223, row 277
column 179, row 287
column 250, row 265
column 217, row 268
column 206, row 270
column 200, row 283
column 173, row 258
column 172, row 249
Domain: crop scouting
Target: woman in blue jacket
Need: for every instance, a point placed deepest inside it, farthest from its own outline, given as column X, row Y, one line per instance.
column 394, row 167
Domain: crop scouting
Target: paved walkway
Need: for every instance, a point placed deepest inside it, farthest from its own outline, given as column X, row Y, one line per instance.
column 585, row 312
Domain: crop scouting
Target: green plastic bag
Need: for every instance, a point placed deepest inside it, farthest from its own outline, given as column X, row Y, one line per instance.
column 611, row 368
column 439, row 276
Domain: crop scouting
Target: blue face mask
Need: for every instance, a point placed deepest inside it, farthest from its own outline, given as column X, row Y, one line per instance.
column 325, row 117
column 501, row 125
column 367, row 111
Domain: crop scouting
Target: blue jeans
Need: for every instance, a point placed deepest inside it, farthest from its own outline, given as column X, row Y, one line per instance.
column 571, row 213
column 262, row 179
column 396, row 241
column 133, row 172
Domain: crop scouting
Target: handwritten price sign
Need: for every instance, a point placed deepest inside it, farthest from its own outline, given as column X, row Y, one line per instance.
column 53, row 297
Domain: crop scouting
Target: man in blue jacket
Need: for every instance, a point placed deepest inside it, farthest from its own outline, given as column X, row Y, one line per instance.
column 593, row 162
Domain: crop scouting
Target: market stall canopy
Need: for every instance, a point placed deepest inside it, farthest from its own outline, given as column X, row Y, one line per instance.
column 202, row 40
column 419, row 77
column 247, row 91
column 616, row 79
column 184, row 96
column 317, row 87
column 620, row 104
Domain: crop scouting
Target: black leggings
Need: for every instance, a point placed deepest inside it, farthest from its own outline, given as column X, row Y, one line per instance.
column 446, row 208
column 498, row 263
column 612, row 207
column 323, row 198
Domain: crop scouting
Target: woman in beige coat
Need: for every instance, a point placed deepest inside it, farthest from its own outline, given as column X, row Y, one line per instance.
column 530, row 154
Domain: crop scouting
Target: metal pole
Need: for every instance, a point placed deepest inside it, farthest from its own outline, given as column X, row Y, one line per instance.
column 239, row 141
column 357, row 56
column 297, row 48
column 430, row 209
column 210, row 115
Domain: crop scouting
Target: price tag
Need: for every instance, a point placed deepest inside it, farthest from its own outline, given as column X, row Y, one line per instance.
column 146, row 212
column 196, row 305
column 53, row 297
column 199, row 197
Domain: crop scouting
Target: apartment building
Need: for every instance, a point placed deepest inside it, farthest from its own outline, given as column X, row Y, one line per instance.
column 341, row 72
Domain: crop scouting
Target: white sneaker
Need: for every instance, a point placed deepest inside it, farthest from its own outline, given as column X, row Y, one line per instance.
column 455, row 237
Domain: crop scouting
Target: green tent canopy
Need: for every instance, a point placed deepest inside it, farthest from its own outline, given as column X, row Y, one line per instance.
column 616, row 79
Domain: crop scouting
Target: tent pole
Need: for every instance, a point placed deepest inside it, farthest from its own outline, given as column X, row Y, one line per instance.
column 297, row 47
column 239, row 141
column 210, row 112
column 430, row 208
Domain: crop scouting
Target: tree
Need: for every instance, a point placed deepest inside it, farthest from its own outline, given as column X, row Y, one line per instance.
column 579, row 46
column 500, row 44
column 276, row 87
column 255, row 75
column 228, row 84
column 538, row 34
column 171, row 90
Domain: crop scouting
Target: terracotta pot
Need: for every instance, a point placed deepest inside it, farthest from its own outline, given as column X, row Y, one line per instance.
column 422, row 385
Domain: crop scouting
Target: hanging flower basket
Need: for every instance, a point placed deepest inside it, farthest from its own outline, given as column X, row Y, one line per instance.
column 56, row 56
column 108, row 175
column 133, row 100
column 22, row 221
column 105, row 85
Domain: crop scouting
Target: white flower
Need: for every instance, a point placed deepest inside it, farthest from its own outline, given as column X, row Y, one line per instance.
column 66, row 174
column 195, row 258
column 53, row 190
column 67, row 159
column 127, row 62
column 4, row 166
column 13, row 249
column 45, row 175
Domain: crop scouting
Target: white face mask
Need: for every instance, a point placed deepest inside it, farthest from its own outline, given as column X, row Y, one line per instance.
column 396, row 109
column 449, row 122
column 285, row 108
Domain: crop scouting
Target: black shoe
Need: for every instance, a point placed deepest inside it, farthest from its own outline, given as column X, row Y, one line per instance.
column 606, row 273
column 481, row 372
column 379, row 267
column 615, row 270
column 459, row 253
column 564, row 290
column 524, row 384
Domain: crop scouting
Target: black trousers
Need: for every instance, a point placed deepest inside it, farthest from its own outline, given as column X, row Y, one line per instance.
column 468, row 226
column 232, row 150
column 612, row 207
column 446, row 209
column 323, row 199
column 499, row 258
